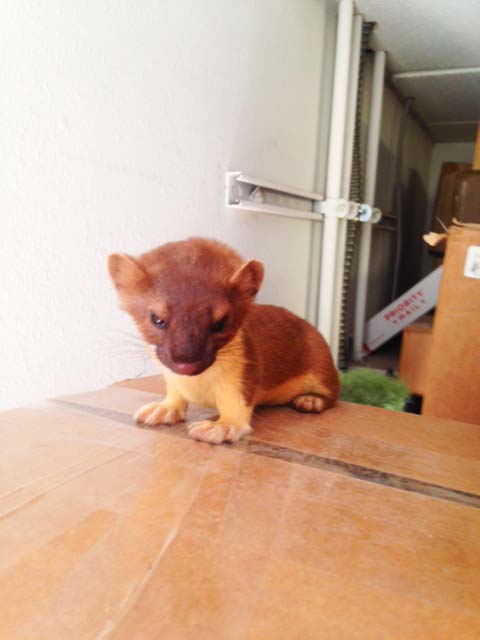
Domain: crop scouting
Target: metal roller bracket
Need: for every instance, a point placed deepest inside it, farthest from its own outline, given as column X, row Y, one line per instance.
column 249, row 193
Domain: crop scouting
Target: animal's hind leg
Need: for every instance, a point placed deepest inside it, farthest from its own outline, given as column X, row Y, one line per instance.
column 310, row 403
column 314, row 395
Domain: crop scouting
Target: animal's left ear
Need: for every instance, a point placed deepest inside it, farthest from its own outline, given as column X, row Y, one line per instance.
column 248, row 278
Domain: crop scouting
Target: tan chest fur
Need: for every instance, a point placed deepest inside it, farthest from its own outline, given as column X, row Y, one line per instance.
column 219, row 381
column 200, row 389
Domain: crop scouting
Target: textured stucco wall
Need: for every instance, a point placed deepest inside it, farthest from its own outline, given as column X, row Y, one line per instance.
column 119, row 121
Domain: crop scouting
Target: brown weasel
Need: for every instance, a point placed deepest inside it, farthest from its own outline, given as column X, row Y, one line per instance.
column 194, row 302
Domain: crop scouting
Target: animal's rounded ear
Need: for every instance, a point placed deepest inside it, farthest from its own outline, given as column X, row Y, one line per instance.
column 248, row 278
column 126, row 273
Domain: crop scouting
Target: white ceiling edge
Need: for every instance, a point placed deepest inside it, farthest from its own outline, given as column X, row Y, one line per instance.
column 425, row 34
column 449, row 98
column 433, row 54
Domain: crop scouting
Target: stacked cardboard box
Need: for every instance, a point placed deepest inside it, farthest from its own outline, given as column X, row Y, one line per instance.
column 443, row 364
column 452, row 383
column 416, row 345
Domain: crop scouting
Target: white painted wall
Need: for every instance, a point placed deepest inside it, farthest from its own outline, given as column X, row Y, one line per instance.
column 417, row 149
column 416, row 156
column 119, row 121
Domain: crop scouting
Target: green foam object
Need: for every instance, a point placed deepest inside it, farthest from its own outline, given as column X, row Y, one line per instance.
column 366, row 386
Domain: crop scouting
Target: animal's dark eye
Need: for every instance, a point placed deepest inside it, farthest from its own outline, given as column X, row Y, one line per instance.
column 219, row 325
column 158, row 322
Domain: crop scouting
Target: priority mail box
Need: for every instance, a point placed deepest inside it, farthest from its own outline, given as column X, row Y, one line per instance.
column 410, row 306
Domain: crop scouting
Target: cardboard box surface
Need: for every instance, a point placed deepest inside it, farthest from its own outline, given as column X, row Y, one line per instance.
column 416, row 345
column 452, row 388
column 357, row 523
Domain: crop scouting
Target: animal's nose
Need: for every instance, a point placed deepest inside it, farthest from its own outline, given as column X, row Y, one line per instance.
column 187, row 349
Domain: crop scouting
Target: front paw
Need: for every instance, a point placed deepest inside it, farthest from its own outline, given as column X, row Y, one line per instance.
column 217, row 432
column 155, row 413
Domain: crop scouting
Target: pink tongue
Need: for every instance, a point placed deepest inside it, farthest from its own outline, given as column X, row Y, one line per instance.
column 186, row 368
